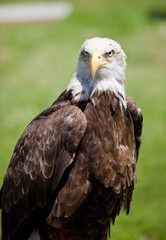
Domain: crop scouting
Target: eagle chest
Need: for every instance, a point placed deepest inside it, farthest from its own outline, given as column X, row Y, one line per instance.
column 109, row 144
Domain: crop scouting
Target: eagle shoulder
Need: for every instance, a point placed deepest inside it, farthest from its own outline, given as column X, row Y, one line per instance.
column 137, row 118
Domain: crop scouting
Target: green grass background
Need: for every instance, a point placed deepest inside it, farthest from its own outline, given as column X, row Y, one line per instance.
column 37, row 61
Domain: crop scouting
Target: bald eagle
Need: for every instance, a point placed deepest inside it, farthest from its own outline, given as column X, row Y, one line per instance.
column 74, row 166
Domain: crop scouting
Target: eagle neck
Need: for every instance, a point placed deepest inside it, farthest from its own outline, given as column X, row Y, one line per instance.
column 114, row 86
column 83, row 89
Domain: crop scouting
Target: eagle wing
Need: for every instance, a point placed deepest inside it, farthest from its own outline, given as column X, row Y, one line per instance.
column 137, row 121
column 43, row 153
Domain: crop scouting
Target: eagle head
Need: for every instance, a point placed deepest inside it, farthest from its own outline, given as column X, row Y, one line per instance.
column 101, row 56
column 101, row 67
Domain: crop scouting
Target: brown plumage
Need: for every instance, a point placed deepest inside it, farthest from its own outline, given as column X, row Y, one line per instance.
column 73, row 169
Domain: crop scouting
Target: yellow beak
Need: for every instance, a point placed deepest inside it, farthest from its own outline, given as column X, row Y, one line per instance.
column 96, row 62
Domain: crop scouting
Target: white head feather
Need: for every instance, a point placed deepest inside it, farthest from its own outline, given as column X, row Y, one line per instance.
column 109, row 76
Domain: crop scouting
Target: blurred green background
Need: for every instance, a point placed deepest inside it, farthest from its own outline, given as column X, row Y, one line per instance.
column 37, row 61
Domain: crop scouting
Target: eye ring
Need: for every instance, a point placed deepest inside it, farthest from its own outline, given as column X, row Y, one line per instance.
column 110, row 53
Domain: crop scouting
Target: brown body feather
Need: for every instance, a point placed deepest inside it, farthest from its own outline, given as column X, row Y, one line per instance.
column 72, row 170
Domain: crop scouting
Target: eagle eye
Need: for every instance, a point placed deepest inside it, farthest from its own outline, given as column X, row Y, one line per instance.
column 110, row 53
column 86, row 54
